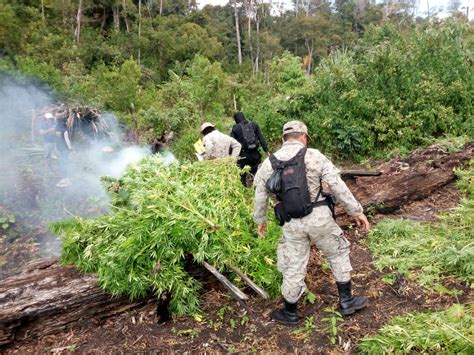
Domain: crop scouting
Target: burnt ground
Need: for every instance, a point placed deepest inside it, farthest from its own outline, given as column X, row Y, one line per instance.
column 226, row 326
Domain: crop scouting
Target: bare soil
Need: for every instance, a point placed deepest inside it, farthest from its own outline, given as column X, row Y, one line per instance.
column 227, row 326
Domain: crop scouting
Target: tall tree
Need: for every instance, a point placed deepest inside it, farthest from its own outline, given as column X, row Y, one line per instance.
column 250, row 12
column 78, row 22
column 237, row 33
column 139, row 30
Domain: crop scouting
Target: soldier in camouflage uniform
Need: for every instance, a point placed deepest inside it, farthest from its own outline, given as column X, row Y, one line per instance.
column 217, row 144
column 318, row 227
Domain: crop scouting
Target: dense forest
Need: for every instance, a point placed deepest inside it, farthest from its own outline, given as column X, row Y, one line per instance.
column 377, row 86
column 367, row 78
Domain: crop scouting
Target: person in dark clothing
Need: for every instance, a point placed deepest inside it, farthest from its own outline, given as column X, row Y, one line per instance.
column 249, row 135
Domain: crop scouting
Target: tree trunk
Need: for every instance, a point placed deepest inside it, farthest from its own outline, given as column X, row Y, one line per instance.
column 161, row 7
column 47, row 298
column 42, row 12
column 249, row 30
column 412, row 179
column 310, row 48
column 78, row 22
column 257, row 56
column 139, row 29
column 64, row 12
column 102, row 23
column 237, row 33
column 116, row 15
column 124, row 9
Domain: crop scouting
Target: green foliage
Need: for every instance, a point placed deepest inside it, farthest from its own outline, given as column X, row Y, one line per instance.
column 332, row 324
column 362, row 87
column 287, row 73
column 310, row 297
column 42, row 71
column 308, row 327
column 433, row 251
column 163, row 214
column 448, row 331
column 10, row 33
column 393, row 91
column 183, row 147
column 125, row 81
column 6, row 220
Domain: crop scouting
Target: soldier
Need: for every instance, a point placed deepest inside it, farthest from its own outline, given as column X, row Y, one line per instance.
column 249, row 135
column 217, row 144
column 305, row 222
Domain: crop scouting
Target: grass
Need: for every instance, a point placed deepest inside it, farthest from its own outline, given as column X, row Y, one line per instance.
column 430, row 252
column 450, row 331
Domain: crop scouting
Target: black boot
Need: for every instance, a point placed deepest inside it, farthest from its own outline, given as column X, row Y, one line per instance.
column 348, row 304
column 288, row 315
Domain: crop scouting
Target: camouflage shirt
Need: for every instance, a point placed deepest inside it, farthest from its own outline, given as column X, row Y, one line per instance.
column 317, row 167
column 220, row 145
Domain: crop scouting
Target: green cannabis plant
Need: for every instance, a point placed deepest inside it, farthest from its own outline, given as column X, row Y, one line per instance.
column 450, row 331
column 431, row 252
column 160, row 217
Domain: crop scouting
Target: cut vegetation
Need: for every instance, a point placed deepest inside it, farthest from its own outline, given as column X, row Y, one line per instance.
column 164, row 216
column 432, row 252
column 450, row 331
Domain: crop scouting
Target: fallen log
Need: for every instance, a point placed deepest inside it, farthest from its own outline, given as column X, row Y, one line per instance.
column 48, row 298
column 411, row 179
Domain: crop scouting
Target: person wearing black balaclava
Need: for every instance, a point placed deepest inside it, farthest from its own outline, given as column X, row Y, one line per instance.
column 249, row 135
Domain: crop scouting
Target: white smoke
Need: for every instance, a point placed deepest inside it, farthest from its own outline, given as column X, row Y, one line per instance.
column 35, row 192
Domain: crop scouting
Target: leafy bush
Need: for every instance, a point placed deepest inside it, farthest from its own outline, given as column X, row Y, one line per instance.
column 432, row 251
column 449, row 331
column 393, row 91
column 41, row 71
column 163, row 214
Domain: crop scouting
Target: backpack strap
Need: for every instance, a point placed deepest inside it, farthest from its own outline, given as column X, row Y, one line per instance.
column 276, row 164
column 328, row 201
column 282, row 164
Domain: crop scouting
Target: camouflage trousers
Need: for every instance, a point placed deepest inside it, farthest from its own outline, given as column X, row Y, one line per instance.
column 293, row 251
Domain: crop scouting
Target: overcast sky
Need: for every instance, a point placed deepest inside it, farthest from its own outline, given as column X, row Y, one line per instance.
column 422, row 9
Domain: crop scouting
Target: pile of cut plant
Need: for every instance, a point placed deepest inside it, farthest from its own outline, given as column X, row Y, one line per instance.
column 431, row 254
column 83, row 122
column 160, row 217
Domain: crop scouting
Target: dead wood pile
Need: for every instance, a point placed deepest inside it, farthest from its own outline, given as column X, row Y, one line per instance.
column 82, row 122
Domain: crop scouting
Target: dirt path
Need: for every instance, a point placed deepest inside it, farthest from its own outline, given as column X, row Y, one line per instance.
column 227, row 327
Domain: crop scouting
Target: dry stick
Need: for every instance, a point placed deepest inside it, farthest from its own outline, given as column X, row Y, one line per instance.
column 236, row 292
column 249, row 282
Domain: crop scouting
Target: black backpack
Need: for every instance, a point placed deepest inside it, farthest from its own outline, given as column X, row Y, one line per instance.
column 248, row 132
column 288, row 181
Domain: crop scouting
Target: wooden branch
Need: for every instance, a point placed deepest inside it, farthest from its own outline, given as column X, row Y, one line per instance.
column 236, row 292
column 252, row 284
